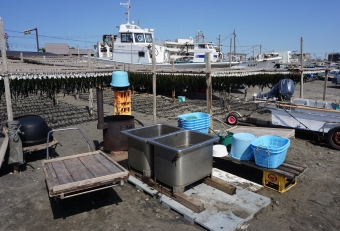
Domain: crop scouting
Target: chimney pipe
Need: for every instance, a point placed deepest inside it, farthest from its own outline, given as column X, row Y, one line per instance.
column 100, row 110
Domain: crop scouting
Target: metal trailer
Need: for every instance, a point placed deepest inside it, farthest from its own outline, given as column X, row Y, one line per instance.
column 81, row 173
column 306, row 114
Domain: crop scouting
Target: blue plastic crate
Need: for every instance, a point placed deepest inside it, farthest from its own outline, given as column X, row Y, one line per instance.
column 194, row 116
column 203, row 130
column 270, row 151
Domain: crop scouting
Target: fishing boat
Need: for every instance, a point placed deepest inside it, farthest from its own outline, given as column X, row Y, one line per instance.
column 262, row 61
column 133, row 45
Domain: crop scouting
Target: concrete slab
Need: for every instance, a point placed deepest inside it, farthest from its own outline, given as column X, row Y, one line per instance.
column 222, row 211
column 261, row 131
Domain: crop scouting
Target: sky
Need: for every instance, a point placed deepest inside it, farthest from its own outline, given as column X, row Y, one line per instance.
column 275, row 25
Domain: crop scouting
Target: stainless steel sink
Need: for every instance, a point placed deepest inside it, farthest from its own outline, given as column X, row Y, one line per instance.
column 140, row 151
column 183, row 158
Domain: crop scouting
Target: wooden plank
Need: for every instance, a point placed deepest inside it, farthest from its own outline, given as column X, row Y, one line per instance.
column 77, row 170
column 181, row 198
column 114, row 168
column 236, row 180
column 39, row 147
column 189, row 202
column 220, row 185
column 62, row 173
column 84, row 184
column 287, row 169
column 94, row 166
column 298, row 166
column 289, row 175
column 70, row 157
column 260, row 131
column 51, row 175
column 3, row 148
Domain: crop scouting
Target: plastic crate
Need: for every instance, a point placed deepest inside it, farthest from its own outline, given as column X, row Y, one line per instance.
column 270, row 151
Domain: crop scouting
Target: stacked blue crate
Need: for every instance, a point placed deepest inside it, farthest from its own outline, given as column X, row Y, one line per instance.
column 196, row 121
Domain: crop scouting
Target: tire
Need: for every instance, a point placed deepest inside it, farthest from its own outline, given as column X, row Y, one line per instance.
column 232, row 119
column 333, row 137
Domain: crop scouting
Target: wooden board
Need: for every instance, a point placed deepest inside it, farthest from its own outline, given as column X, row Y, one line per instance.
column 79, row 172
column 290, row 170
column 39, row 147
column 261, row 131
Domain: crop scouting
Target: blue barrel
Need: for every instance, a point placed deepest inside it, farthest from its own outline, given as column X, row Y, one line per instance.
column 120, row 79
column 241, row 146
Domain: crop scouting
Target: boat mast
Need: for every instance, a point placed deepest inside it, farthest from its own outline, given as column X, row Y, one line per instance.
column 234, row 42
column 127, row 5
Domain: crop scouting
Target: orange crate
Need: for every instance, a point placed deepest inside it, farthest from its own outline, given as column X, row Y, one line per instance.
column 122, row 108
column 122, row 96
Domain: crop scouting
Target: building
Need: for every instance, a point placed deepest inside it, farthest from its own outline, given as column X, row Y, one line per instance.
column 334, row 57
column 64, row 50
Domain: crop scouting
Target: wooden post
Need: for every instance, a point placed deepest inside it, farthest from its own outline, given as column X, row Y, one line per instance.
column 301, row 89
column 209, row 88
column 325, row 85
column 22, row 57
column 88, row 58
column 91, row 102
column 173, row 95
column 5, row 72
column 154, row 82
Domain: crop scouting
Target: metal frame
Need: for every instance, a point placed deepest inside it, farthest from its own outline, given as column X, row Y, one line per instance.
column 65, row 129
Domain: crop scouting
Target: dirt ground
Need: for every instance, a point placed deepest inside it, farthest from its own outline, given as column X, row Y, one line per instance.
column 313, row 204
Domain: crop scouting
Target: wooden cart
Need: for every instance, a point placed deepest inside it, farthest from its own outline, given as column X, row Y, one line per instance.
column 81, row 173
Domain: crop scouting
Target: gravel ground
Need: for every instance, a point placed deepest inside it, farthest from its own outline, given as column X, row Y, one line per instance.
column 313, row 204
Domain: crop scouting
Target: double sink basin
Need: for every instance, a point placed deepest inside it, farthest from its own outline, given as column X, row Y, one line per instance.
column 170, row 154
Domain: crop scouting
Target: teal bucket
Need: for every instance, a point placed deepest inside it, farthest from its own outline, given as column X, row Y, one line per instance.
column 181, row 98
column 241, row 146
column 120, row 79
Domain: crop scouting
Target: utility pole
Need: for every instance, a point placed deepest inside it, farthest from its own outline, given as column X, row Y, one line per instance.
column 36, row 35
column 219, row 45
column 301, row 79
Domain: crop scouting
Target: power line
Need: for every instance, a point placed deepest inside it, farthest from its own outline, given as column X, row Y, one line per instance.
column 60, row 38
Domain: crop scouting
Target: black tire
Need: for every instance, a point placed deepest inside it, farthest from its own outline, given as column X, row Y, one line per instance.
column 333, row 137
column 232, row 119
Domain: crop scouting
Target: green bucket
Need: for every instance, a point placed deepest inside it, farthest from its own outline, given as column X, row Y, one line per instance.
column 226, row 138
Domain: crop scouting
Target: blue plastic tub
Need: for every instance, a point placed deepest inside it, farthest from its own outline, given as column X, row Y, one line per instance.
column 120, row 79
column 197, row 121
column 194, row 116
column 240, row 146
column 270, row 151
column 181, row 98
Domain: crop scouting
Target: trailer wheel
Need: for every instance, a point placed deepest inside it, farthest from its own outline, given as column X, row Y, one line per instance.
column 333, row 137
column 232, row 119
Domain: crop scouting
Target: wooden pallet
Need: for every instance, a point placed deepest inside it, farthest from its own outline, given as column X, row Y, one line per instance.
column 78, row 174
column 182, row 198
column 280, row 179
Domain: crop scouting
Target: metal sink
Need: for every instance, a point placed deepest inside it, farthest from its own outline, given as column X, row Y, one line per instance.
column 183, row 158
column 140, row 151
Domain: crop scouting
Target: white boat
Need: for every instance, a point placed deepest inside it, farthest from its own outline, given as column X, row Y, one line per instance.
column 262, row 61
column 133, row 45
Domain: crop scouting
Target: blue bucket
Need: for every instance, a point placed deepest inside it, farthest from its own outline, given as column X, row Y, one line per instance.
column 241, row 146
column 120, row 79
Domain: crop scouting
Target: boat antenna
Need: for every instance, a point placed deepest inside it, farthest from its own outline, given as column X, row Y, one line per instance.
column 127, row 5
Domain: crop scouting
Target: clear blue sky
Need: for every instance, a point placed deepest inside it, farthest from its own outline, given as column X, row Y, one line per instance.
column 277, row 25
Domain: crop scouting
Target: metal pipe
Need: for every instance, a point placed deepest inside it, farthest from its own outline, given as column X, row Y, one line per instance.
column 100, row 110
